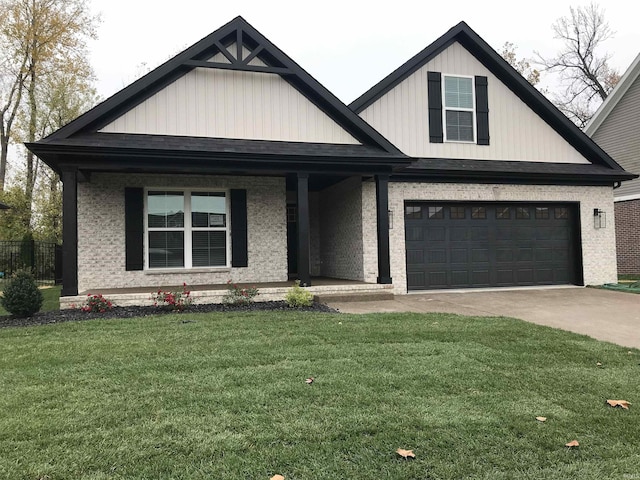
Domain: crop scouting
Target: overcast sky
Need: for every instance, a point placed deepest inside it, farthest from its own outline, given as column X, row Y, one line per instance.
column 347, row 46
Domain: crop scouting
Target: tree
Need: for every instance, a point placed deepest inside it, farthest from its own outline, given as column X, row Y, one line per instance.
column 46, row 43
column 585, row 74
column 523, row 66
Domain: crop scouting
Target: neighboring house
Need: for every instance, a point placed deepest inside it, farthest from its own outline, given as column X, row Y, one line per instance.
column 616, row 128
column 230, row 161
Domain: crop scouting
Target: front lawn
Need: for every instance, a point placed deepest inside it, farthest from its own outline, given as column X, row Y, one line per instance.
column 223, row 396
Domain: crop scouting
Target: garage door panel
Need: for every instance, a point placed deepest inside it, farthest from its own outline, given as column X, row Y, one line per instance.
column 460, row 278
column 437, row 256
column 477, row 245
column 415, row 234
column 459, row 255
column 437, row 234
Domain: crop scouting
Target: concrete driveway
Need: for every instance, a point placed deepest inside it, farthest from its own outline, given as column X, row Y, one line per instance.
column 602, row 314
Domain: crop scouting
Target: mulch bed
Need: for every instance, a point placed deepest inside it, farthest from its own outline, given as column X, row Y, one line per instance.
column 77, row 315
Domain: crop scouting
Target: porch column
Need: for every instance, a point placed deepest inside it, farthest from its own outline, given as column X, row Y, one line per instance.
column 69, row 231
column 382, row 217
column 303, row 229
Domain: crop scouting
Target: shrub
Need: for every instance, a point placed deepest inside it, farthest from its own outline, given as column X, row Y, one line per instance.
column 298, row 297
column 239, row 296
column 96, row 304
column 21, row 296
column 176, row 301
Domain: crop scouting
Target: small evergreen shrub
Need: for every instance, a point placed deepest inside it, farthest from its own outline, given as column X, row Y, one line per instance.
column 298, row 297
column 21, row 296
column 97, row 304
column 239, row 295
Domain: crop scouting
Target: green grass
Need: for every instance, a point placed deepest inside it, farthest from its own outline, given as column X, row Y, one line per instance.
column 51, row 300
column 223, row 396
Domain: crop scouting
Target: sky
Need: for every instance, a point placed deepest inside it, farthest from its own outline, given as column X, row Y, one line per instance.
column 347, row 46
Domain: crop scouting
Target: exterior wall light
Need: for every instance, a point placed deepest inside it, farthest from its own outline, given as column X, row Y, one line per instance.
column 390, row 219
column 599, row 218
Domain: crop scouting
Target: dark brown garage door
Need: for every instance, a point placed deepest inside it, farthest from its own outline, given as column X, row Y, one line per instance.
column 460, row 245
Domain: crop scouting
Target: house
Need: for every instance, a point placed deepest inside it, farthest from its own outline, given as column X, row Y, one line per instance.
column 616, row 128
column 230, row 161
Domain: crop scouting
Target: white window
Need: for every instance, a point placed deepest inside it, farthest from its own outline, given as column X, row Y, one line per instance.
column 459, row 109
column 186, row 229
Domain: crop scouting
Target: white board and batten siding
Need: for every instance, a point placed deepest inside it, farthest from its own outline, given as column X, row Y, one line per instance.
column 619, row 136
column 516, row 132
column 215, row 103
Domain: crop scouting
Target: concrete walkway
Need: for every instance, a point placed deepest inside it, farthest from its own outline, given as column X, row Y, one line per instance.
column 602, row 314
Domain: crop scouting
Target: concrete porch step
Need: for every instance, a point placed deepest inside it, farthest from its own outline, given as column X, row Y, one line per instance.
column 355, row 297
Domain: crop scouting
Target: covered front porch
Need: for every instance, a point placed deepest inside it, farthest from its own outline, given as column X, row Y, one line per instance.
column 323, row 288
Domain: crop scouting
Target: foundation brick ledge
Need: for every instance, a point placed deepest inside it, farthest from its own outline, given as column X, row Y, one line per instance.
column 216, row 296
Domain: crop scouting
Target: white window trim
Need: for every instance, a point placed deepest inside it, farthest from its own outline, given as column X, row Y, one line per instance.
column 472, row 110
column 188, row 243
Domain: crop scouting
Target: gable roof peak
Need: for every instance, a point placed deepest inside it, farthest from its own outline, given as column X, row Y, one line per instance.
column 241, row 33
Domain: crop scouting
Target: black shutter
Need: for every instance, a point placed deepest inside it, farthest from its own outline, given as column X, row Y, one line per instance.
column 239, row 254
column 434, row 90
column 482, row 111
column 134, row 228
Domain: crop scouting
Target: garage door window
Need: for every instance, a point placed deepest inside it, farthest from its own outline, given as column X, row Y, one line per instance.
column 542, row 213
column 522, row 213
column 561, row 212
column 436, row 212
column 412, row 211
column 503, row 213
column 478, row 213
column 457, row 213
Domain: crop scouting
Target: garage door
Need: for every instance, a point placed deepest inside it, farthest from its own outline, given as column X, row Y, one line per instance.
column 455, row 245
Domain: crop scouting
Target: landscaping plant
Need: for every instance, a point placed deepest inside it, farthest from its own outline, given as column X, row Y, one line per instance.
column 298, row 297
column 97, row 303
column 21, row 296
column 239, row 295
column 176, row 301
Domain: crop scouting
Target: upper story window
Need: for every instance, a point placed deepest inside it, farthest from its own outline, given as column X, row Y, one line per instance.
column 186, row 229
column 458, row 109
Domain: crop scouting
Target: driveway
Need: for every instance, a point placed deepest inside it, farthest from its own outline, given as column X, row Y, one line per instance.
column 602, row 314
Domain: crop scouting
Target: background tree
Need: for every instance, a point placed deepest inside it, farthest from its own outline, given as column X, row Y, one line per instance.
column 45, row 43
column 523, row 66
column 585, row 75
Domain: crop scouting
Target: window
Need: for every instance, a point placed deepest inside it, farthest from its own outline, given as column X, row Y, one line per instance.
column 542, row 213
column 457, row 213
column 458, row 109
column 186, row 229
column 522, row 213
column 413, row 211
column 503, row 213
column 478, row 212
column 436, row 212
column 561, row 212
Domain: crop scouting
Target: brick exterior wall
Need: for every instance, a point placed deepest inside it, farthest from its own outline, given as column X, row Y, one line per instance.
column 341, row 240
column 101, row 233
column 598, row 245
column 628, row 236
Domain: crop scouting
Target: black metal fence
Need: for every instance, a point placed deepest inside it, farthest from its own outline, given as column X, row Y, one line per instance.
column 43, row 259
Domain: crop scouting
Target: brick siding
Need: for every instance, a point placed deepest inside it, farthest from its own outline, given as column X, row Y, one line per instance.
column 628, row 236
column 101, row 233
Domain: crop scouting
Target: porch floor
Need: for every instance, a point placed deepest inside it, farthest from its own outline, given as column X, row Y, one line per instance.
column 315, row 282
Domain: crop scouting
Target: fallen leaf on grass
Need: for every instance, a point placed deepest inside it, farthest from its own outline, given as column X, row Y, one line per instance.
column 541, row 419
column 598, row 364
column 619, row 403
column 405, row 453
column 572, row 443
column 309, row 380
column 277, row 477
